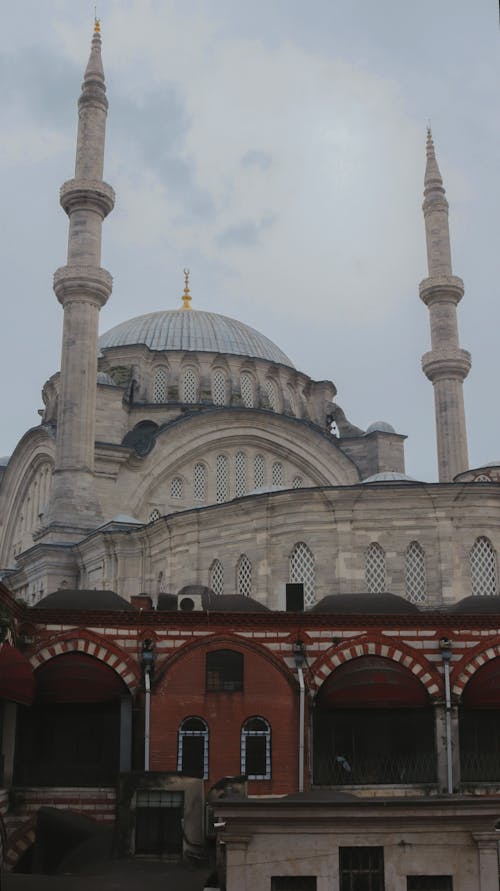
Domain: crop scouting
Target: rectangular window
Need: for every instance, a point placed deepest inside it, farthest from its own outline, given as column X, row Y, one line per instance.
column 361, row 869
column 224, row 671
column 293, row 883
column 429, row 883
column 158, row 822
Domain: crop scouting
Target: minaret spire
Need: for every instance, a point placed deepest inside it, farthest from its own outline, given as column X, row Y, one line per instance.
column 82, row 287
column 446, row 365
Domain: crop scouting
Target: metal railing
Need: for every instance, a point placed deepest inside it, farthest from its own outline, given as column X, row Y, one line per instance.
column 380, row 769
column 479, row 767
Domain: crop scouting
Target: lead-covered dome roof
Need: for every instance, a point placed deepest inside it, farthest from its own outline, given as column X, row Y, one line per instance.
column 196, row 331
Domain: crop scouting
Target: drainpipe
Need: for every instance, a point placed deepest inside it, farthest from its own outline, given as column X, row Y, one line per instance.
column 299, row 656
column 147, row 660
column 445, row 646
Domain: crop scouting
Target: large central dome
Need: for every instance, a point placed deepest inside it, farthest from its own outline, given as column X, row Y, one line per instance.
column 193, row 330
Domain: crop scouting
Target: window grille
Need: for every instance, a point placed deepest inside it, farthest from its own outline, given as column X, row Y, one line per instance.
column 240, row 468
column 224, row 671
column 293, row 883
column 219, row 387
column 291, row 400
column 361, row 869
column 272, row 394
column 483, row 567
column 482, row 478
column 375, row 569
column 200, row 482
column 158, row 798
column 256, row 749
column 246, row 387
column 217, row 577
column 190, row 387
column 415, row 575
column 429, row 883
column 154, row 515
column 160, row 385
column 244, row 576
column 298, row 482
column 222, row 478
column 259, row 476
column 176, row 488
column 277, row 476
column 192, row 748
column 302, row 570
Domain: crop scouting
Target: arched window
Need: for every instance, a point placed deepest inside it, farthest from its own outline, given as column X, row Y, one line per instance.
column 240, row 472
column 200, row 482
column 224, row 671
column 483, row 567
column 302, row 571
column 375, row 568
column 244, row 576
column 291, row 399
column 219, row 387
column 298, row 482
column 190, row 386
column 221, row 478
column 154, row 515
column 192, row 748
column 160, row 385
column 217, row 577
column 277, row 475
column 272, row 394
column 246, row 387
column 259, row 476
column 176, row 488
column 415, row 575
column 256, row 749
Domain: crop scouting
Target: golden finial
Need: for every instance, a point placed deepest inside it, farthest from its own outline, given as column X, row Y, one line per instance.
column 186, row 297
column 97, row 22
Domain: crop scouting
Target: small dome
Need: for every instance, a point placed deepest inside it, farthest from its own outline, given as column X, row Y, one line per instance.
column 193, row 331
column 492, row 463
column 103, row 378
column 83, row 599
column 368, row 604
column 474, row 604
column 235, row 603
column 380, row 427
column 389, row 476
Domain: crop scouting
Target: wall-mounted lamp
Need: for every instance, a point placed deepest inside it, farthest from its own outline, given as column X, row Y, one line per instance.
column 299, row 653
column 148, row 656
column 446, row 646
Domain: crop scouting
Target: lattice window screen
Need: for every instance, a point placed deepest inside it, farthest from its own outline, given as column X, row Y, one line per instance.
column 246, row 387
column 244, row 576
column 298, row 482
column 291, row 400
column 482, row 478
column 219, row 387
column 272, row 394
column 302, row 570
column 200, row 482
column 160, row 385
column 483, row 567
column 277, row 474
column 240, row 471
column 190, row 387
column 375, row 569
column 221, row 478
column 415, row 575
column 217, row 577
column 259, row 476
column 176, row 487
column 154, row 515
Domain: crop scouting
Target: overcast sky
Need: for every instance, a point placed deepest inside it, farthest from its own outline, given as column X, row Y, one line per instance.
column 277, row 148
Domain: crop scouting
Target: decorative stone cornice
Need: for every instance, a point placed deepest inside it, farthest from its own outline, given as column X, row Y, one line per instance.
column 80, row 194
column 89, row 283
column 444, row 364
column 441, row 289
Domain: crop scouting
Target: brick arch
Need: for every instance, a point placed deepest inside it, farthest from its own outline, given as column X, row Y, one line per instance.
column 465, row 672
column 19, row 842
column 334, row 657
column 82, row 641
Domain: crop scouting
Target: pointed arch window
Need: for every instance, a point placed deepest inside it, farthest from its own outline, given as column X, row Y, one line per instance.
column 259, row 476
column 192, row 748
column 240, row 472
column 244, row 576
column 256, row 749
column 272, row 394
column 160, row 385
column 415, row 574
column 221, row 478
column 277, row 475
column 177, row 488
column 219, row 387
column 190, row 385
column 483, row 568
column 200, row 482
column 217, row 577
column 247, row 389
column 375, row 569
column 303, row 571
column 291, row 399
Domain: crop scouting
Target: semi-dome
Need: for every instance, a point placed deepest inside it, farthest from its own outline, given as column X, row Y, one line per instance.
column 195, row 331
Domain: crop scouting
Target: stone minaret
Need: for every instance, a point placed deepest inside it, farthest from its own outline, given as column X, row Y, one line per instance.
column 82, row 288
column 446, row 365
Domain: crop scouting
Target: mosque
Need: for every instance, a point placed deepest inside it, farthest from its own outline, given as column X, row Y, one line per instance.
column 316, row 619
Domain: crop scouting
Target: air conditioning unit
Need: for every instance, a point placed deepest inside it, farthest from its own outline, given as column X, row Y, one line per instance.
column 189, row 603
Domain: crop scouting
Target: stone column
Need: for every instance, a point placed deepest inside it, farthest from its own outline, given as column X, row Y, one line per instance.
column 487, row 843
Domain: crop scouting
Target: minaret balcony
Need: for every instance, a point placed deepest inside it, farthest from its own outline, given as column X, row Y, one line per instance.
column 441, row 289
column 82, row 194
column 88, row 283
column 446, row 364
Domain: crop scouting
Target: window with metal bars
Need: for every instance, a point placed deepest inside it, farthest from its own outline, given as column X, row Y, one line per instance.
column 244, row 576
column 192, row 748
column 224, row 671
column 302, row 570
column 217, row 577
column 176, row 488
column 483, row 567
column 415, row 574
column 259, row 475
column 375, row 569
column 277, row 474
column 247, row 389
column 190, row 385
column 429, row 883
column 361, row 869
column 293, row 883
column 160, row 385
column 240, row 473
column 200, row 482
column 219, row 387
column 256, row 749
column 221, row 478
